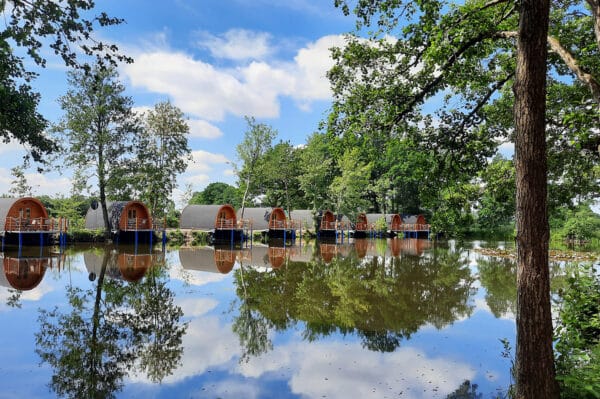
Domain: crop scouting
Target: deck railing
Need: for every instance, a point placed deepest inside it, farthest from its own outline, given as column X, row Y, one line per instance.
column 229, row 224
column 288, row 224
column 335, row 225
column 413, row 227
column 134, row 224
column 33, row 225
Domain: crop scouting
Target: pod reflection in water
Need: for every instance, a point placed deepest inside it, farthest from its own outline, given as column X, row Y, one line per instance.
column 25, row 269
column 122, row 262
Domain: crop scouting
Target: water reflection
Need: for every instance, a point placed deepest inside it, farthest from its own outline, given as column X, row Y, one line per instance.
column 125, row 262
column 112, row 328
column 24, row 269
column 382, row 299
column 272, row 318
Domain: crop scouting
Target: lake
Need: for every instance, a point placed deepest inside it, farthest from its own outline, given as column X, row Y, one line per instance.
column 359, row 319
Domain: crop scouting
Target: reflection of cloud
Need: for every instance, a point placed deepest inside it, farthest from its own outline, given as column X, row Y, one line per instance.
column 207, row 345
column 332, row 370
column 226, row 389
column 197, row 307
column 33, row 295
column 194, row 277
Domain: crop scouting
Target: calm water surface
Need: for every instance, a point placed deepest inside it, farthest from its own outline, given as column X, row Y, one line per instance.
column 362, row 319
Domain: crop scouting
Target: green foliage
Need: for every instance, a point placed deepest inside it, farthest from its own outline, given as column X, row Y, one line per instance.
column 200, row 238
column 175, row 237
column 348, row 188
column 85, row 235
column 217, row 194
column 316, row 164
column 381, row 225
column 580, row 224
column 162, row 152
column 279, row 177
column 497, row 202
column 72, row 208
column 19, row 186
column 29, row 26
column 257, row 141
column 577, row 335
column 99, row 128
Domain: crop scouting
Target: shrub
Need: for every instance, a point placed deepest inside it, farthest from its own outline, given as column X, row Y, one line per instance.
column 175, row 237
column 578, row 335
column 200, row 238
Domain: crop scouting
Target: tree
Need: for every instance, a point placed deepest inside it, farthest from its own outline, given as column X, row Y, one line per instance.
column 497, row 201
column 316, row 174
column 19, row 186
column 99, row 128
column 279, row 172
column 473, row 54
column 162, row 154
column 348, row 188
column 257, row 141
column 30, row 26
column 217, row 194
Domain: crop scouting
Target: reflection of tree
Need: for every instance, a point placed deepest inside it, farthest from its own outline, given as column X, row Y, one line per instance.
column 107, row 332
column 499, row 278
column 158, row 321
column 14, row 299
column 466, row 391
column 250, row 325
column 382, row 300
column 252, row 329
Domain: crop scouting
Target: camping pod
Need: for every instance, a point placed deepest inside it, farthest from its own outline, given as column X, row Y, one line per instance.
column 328, row 225
column 395, row 224
column 415, row 226
column 304, row 218
column 272, row 221
column 25, row 221
column 361, row 225
column 126, row 220
column 220, row 220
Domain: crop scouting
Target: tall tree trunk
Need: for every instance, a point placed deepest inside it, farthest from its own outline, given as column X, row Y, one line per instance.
column 535, row 376
column 244, row 197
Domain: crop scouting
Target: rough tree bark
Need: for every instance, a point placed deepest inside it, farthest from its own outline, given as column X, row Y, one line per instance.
column 535, row 375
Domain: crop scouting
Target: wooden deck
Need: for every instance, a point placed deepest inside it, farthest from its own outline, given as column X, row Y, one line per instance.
column 36, row 225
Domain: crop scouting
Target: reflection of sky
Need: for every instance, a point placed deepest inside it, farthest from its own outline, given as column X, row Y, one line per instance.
column 432, row 364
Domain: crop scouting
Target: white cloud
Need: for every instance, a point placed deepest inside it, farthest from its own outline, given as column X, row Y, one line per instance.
column 236, row 44
column 41, row 184
column 202, row 161
column 207, row 92
column 203, row 129
column 312, row 64
column 198, row 88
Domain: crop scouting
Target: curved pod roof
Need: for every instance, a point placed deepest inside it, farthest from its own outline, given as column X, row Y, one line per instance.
column 265, row 218
column 122, row 215
column 207, row 217
column 26, row 207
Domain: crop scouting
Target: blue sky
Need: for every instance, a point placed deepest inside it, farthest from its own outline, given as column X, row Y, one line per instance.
column 217, row 61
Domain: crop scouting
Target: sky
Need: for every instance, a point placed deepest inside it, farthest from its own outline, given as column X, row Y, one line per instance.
column 218, row 61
